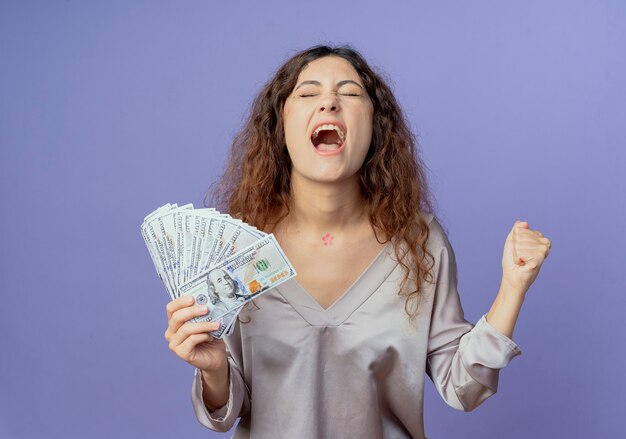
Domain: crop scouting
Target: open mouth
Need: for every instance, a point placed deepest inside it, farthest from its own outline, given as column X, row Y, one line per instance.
column 328, row 138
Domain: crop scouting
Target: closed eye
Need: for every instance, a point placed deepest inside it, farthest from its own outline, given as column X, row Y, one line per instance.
column 343, row 94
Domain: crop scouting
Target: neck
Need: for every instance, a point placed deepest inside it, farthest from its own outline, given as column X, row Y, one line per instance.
column 320, row 207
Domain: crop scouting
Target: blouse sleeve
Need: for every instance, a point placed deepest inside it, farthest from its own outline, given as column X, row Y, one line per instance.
column 238, row 404
column 463, row 360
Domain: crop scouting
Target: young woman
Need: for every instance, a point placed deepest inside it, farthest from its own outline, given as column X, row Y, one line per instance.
column 327, row 163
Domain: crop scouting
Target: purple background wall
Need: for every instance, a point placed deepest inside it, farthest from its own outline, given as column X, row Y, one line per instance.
column 111, row 109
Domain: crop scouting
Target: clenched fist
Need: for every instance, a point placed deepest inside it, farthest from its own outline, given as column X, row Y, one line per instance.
column 524, row 252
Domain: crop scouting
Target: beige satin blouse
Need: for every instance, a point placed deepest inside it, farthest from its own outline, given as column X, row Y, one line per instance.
column 356, row 369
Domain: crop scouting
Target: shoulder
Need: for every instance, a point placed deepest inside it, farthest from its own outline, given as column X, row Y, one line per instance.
column 437, row 235
column 438, row 243
column 437, row 239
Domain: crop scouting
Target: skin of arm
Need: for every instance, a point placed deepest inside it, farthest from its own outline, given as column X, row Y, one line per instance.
column 504, row 311
column 215, row 387
column 193, row 342
column 524, row 253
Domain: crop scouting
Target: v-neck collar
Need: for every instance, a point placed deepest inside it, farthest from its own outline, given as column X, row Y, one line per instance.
column 349, row 301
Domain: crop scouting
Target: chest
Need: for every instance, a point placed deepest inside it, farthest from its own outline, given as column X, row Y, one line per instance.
column 326, row 272
column 367, row 328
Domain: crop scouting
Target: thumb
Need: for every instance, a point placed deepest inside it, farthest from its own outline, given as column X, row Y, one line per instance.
column 522, row 224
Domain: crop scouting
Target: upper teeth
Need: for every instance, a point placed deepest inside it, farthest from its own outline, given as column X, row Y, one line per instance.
column 329, row 127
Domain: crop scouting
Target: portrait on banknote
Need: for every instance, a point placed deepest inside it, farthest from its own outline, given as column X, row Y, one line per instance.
column 225, row 293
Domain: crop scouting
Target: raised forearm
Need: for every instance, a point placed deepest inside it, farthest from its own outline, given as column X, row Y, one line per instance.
column 505, row 309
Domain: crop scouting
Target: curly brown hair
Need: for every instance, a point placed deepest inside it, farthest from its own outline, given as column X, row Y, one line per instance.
column 256, row 184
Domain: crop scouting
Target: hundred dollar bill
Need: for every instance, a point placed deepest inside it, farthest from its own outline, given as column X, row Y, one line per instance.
column 154, row 254
column 239, row 278
column 225, row 325
column 242, row 237
column 157, row 245
column 178, row 238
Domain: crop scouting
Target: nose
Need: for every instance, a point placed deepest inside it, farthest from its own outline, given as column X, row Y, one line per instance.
column 329, row 102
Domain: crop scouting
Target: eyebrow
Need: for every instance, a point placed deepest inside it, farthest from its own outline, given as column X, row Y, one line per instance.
column 339, row 84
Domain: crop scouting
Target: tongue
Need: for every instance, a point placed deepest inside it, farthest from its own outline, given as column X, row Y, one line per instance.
column 327, row 147
column 327, row 140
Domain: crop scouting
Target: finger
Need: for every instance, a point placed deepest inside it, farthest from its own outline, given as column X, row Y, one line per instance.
column 528, row 232
column 539, row 243
column 182, row 315
column 192, row 328
column 532, row 258
column 520, row 233
column 525, row 250
column 529, row 245
column 521, row 224
column 177, row 304
column 530, row 238
column 527, row 261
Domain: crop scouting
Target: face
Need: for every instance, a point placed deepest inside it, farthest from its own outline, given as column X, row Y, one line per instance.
column 222, row 283
column 328, row 91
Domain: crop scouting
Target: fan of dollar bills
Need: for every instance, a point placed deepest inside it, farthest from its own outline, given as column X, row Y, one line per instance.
column 221, row 261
